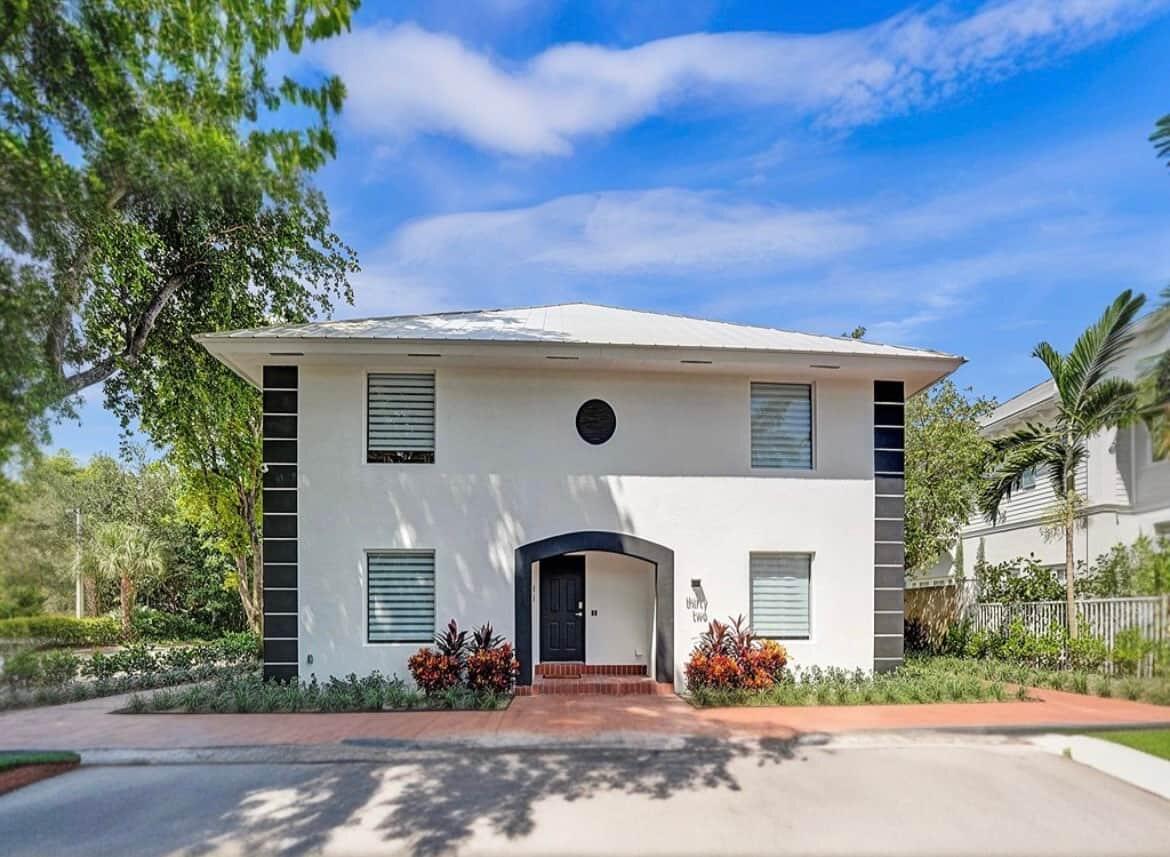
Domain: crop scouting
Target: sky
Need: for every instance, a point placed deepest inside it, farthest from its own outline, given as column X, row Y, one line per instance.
column 968, row 177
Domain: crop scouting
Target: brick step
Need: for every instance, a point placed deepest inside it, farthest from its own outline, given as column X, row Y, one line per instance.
column 575, row 669
column 596, row 685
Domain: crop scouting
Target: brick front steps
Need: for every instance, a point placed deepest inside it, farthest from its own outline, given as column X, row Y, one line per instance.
column 595, row 685
column 572, row 678
column 575, row 669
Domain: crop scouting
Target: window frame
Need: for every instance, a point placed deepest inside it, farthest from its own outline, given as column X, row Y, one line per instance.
column 761, row 469
column 434, row 451
column 366, row 554
column 811, row 556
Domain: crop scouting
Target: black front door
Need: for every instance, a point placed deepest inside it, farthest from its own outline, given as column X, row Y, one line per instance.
column 562, row 608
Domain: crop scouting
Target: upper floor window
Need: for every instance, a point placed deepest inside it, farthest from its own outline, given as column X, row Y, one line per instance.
column 400, row 417
column 782, row 433
column 1028, row 479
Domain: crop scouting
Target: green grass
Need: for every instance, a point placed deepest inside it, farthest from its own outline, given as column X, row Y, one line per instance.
column 1156, row 742
column 8, row 761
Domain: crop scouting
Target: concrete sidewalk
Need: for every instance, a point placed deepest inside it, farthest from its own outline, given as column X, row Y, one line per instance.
column 90, row 725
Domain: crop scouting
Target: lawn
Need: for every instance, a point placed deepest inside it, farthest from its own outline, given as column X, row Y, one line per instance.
column 8, row 761
column 1156, row 742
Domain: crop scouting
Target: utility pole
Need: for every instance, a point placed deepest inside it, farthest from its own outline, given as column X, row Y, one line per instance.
column 78, row 589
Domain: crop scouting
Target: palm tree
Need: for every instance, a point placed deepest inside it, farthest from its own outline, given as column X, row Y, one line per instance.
column 1088, row 401
column 1154, row 387
column 127, row 553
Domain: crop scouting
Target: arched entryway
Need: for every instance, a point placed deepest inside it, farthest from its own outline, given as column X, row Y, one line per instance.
column 662, row 558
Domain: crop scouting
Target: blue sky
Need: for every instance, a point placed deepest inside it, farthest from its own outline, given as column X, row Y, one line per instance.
column 969, row 177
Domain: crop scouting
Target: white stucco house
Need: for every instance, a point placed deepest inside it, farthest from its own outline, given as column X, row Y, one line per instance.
column 1126, row 491
column 595, row 482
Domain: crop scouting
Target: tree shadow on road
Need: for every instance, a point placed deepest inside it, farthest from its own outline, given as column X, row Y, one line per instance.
column 430, row 802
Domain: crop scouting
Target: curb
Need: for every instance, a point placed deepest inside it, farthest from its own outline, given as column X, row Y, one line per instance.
column 1139, row 769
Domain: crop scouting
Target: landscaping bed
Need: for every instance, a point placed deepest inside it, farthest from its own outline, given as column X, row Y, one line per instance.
column 22, row 769
column 250, row 694
column 35, row 678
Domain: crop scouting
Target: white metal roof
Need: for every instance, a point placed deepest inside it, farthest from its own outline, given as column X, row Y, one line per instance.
column 580, row 324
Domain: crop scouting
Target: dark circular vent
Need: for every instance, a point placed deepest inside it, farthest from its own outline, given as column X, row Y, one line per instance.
column 596, row 421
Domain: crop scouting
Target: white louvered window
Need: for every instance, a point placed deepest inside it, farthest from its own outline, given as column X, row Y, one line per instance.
column 401, row 605
column 782, row 426
column 780, row 595
column 400, row 418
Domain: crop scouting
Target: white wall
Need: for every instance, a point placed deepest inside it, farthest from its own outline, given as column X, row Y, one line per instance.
column 621, row 591
column 510, row 469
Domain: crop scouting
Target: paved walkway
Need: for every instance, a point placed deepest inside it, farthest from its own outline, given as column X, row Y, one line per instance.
column 90, row 725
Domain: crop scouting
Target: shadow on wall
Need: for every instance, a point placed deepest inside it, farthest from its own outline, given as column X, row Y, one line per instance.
column 432, row 802
column 474, row 523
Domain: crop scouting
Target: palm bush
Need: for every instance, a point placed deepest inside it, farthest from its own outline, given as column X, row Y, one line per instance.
column 1089, row 400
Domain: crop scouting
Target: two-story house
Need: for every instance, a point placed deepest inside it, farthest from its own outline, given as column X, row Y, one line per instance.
column 1126, row 491
column 595, row 482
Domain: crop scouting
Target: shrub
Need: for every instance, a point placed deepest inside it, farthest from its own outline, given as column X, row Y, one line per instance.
column 730, row 657
column 492, row 669
column 1129, row 649
column 62, row 630
column 59, row 667
column 1018, row 580
column 452, row 643
column 491, row 665
column 1087, row 652
column 23, row 668
column 150, row 624
column 434, row 672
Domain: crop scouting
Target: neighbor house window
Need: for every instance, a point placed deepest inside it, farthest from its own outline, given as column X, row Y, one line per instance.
column 782, row 426
column 400, row 417
column 780, row 595
column 1028, row 479
column 401, row 596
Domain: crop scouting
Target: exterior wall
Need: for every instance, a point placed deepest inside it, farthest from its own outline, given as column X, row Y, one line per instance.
column 510, row 469
column 619, row 609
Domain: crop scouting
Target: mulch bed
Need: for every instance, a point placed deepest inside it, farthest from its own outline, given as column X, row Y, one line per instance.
column 16, row 778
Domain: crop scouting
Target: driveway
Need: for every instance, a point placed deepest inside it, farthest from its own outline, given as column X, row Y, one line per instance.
column 855, row 796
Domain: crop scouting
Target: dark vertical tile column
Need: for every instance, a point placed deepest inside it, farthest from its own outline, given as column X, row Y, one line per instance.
column 889, row 525
column 281, row 394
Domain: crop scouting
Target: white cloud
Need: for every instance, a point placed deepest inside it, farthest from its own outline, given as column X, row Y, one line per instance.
column 1007, row 238
column 404, row 80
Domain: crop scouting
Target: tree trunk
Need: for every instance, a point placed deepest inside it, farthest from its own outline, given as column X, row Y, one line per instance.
column 251, row 606
column 127, row 598
column 1069, row 585
column 92, row 602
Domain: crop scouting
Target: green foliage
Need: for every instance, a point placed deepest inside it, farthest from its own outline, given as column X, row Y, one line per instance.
column 21, row 600
column 1130, row 648
column 945, row 460
column 1156, row 742
column 8, row 761
column 1089, row 399
column 61, row 630
column 1017, row 581
column 155, row 625
column 249, row 694
column 147, row 149
column 1142, row 568
column 916, row 682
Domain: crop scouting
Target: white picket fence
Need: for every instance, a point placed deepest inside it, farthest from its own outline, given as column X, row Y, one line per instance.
column 1105, row 617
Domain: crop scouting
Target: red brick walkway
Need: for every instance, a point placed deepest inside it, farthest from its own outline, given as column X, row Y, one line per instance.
column 89, row 725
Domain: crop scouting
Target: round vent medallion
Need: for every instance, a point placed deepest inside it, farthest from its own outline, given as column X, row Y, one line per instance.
column 596, row 422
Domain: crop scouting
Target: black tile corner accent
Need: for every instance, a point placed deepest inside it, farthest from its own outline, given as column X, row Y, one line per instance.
column 281, row 396
column 889, row 549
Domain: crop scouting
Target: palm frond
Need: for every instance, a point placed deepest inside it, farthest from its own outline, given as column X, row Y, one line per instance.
column 1099, row 348
column 1054, row 362
column 1028, row 447
column 1161, row 137
column 1111, row 402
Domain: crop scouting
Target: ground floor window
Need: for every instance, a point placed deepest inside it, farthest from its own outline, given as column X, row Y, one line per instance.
column 780, row 595
column 401, row 596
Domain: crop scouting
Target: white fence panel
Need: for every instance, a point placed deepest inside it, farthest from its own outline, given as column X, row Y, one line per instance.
column 1104, row 617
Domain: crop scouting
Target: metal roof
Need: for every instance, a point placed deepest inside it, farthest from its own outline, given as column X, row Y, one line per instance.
column 578, row 323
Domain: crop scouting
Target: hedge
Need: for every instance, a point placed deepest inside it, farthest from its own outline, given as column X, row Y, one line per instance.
column 62, row 630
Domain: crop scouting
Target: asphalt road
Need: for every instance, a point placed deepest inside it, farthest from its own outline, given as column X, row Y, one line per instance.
column 706, row 798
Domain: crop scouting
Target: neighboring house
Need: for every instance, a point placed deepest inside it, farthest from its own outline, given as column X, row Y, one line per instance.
column 595, row 482
column 1126, row 492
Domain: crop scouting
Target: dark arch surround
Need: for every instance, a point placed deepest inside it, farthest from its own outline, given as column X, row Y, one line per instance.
column 662, row 559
